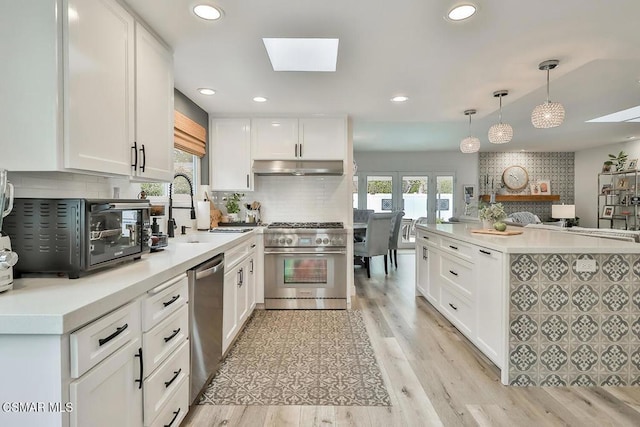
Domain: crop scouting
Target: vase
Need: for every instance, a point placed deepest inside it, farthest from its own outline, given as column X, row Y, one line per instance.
column 487, row 225
column 234, row 217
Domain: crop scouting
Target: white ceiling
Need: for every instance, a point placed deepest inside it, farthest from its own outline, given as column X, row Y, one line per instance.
column 407, row 47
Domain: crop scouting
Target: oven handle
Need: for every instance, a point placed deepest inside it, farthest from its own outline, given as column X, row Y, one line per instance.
column 305, row 253
column 108, row 206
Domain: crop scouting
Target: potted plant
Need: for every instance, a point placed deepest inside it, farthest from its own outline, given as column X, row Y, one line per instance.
column 618, row 161
column 232, row 203
column 491, row 215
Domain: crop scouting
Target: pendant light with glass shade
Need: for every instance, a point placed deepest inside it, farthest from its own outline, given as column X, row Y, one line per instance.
column 470, row 144
column 500, row 133
column 549, row 114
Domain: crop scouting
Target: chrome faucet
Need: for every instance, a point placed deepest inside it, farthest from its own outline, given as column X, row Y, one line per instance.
column 171, row 223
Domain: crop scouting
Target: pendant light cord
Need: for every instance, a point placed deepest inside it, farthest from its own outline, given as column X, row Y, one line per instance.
column 469, row 125
column 547, row 85
column 500, row 116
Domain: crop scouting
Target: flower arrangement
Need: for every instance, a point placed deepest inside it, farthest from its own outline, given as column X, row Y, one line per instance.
column 492, row 213
column 617, row 160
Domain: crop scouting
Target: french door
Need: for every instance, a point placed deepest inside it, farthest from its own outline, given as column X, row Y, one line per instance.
column 419, row 194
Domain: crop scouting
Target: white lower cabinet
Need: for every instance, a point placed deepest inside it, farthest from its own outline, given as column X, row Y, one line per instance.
column 166, row 352
column 239, row 290
column 465, row 282
column 111, row 393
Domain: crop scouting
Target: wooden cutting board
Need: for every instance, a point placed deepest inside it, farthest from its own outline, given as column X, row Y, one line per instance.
column 498, row 233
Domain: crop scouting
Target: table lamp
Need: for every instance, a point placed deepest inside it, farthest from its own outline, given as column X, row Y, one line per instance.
column 563, row 212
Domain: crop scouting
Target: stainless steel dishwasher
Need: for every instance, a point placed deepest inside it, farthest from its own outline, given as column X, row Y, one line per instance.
column 206, row 287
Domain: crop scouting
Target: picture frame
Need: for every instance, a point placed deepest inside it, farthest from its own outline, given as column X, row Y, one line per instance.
column 633, row 165
column 622, row 184
column 607, row 211
column 606, row 189
column 624, row 200
column 469, row 192
column 606, row 167
column 545, row 186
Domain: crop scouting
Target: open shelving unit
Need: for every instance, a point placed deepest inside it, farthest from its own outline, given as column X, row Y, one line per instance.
column 522, row 197
column 618, row 200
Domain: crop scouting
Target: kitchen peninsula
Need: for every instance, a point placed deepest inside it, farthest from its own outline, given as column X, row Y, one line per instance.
column 547, row 307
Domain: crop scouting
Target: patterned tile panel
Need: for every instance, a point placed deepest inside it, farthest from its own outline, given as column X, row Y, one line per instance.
column 574, row 328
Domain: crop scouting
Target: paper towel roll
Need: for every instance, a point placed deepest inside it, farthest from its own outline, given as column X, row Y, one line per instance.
column 203, row 192
column 202, row 216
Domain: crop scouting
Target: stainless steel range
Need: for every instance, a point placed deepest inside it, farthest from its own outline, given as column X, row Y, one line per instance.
column 305, row 265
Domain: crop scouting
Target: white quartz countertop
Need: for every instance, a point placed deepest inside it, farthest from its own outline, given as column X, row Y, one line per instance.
column 533, row 240
column 57, row 305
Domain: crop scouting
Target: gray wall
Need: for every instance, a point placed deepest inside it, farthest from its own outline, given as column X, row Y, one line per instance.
column 190, row 109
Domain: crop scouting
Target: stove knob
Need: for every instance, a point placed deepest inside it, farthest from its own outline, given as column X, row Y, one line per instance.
column 333, row 242
column 340, row 241
column 282, row 241
column 325, row 240
column 289, row 241
column 8, row 258
column 318, row 240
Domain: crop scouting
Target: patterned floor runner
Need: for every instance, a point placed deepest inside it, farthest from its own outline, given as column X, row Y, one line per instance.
column 300, row 357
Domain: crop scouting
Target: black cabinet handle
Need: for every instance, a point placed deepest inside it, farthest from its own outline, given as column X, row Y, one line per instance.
column 247, row 180
column 296, row 150
column 103, row 341
column 134, row 165
column 453, row 247
column 172, row 336
column 453, row 306
column 453, row 272
column 171, row 301
column 141, row 368
column 175, row 375
column 251, row 263
column 485, row 252
column 175, row 415
column 144, row 159
column 300, row 149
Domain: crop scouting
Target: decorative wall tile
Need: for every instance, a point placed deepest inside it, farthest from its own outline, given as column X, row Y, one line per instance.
column 554, row 328
column 554, row 267
column 554, row 297
column 570, row 328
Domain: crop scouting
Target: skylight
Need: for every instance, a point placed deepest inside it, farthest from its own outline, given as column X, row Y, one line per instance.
column 302, row 54
column 629, row 115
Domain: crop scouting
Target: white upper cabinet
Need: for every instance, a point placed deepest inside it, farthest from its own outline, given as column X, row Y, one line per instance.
column 274, row 139
column 99, row 98
column 298, row 139
column 230, row 154
column 70, row 103
column 322, row 138
column 154, row 108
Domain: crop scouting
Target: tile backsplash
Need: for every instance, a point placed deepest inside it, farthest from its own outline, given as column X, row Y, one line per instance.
column 65, row 184
column 300, row 198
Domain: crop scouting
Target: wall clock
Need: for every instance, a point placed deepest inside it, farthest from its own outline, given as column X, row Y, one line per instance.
column 515, row 177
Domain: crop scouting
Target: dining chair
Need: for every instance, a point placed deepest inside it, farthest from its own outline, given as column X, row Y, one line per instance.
column 360, row 215
column 376, row 241
column 396, row 221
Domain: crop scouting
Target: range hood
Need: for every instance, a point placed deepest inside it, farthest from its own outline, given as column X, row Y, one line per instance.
column 298, row 167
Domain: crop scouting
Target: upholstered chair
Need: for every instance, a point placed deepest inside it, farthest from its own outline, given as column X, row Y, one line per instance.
column 396, row 221
column 376, row 241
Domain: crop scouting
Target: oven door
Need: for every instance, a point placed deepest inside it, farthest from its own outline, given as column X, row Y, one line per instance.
column 116, row 231
column 305, row 273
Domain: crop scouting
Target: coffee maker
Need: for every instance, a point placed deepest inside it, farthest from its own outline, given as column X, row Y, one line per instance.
column 8, row 258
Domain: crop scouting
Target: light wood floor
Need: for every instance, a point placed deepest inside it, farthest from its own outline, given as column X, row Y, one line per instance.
column 434, row 376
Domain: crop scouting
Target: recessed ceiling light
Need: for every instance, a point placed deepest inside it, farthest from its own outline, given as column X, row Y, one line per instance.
column 275, row 124
column 208, row 12
column 631, row 137
column 296, row 54
column 461, row 12
column 260, row 99
column 400, row 98
column 206, row 91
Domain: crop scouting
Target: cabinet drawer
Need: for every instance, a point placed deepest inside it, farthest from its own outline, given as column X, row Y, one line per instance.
column 164, row 381
column 164, row 300
column 458, row 248
column 457, row 310
column 164, row 338
column 458, row 274
column 94, row 342
column 172, row 414
column 237, row 254
column 429, row 239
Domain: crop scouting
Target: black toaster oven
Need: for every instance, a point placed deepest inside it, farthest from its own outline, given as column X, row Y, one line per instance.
column 75, row 236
